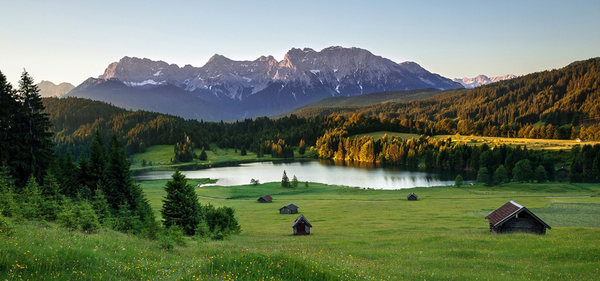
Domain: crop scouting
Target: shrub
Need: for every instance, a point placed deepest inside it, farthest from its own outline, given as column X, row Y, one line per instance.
column 221, row 220
column 171, row 236
column 78, row 216
column 458, row 181
column 5, row 228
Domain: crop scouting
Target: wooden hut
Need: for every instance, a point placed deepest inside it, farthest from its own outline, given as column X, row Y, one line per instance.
column 301, row 226
column 265, row 199
column 412, row 197
column 289, row 209
column 512, row 217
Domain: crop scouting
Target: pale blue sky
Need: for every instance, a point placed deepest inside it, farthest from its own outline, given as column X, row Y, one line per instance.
column 72, row 40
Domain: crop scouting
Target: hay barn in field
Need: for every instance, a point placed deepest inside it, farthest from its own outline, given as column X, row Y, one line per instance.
column 412, row 197
column 289, row 209
column 301, row 226
column 265, row 199
column 512, row 217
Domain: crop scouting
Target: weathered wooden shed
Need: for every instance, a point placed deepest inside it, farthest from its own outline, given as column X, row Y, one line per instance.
column 301, row 226
column 265, row 199
column 289, row 209
column 512, row 217
column 412, row 197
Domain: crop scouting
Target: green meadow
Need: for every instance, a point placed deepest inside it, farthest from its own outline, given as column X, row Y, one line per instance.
column 357, row 234
column 160, row 156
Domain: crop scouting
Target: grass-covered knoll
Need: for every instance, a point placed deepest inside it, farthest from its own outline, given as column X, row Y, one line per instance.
column 357, row 235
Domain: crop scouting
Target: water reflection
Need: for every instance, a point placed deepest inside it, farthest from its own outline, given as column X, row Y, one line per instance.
column 364, row 176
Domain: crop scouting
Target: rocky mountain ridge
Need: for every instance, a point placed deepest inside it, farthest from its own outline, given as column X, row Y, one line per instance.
column 266, row 86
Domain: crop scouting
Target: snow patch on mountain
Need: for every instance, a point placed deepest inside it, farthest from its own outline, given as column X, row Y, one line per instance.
column 480, row 80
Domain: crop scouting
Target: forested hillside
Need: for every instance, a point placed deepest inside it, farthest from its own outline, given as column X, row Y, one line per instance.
column 75, row 120
column 567, row 96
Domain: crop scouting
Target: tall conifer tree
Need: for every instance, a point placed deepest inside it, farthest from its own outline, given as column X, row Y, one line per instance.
column 181, row 206
column 35, row 129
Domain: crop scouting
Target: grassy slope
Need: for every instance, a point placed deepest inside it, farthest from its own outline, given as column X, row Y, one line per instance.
column 357, row 234
column 375, row 98
column 477, row 140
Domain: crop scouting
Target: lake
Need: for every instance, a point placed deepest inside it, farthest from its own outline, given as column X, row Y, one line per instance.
column 312, row 171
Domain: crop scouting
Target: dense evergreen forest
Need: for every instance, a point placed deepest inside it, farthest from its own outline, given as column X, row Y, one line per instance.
column 96, row 191
column 75, row 120
column 559, row 104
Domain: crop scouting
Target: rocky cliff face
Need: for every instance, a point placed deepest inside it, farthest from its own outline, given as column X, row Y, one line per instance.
column 266, row 86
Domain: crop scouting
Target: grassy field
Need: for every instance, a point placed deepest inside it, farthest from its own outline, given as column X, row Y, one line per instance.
column 530, row 143
column 357, row 235
column 161, row 155
column 476, row 140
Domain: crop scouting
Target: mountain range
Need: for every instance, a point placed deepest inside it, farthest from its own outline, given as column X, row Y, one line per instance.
column 225, row 89
column 49, row 89
column 481, row 80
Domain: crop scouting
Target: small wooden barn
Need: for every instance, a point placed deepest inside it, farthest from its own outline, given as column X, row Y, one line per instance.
column 301, row 226
column 289, row 209
column 412, row 197
column 265, row 199
column 512, row 217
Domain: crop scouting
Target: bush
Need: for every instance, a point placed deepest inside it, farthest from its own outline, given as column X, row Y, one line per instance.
column 5, row 228
column 458, row 181
column 171, row 236
column 220, row 221
column 78, row 216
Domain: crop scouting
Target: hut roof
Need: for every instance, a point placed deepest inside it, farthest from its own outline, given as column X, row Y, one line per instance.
column 412, row 194
column 290, row 206
column 300, row 219
column 507, row 211
column 267, row 197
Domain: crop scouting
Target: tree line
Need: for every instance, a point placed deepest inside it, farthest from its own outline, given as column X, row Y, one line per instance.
column 581, row 163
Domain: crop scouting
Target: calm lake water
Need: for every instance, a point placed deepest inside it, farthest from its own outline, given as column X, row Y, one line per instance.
column 312, row 171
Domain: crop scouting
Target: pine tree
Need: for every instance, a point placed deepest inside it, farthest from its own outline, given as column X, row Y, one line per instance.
column 203, row 156
column 30, row 200
column 9, row 140
column 540, row 174
column 500, row 175
column 285, row 181
column 483, row 176
column 51, row 199
column 8, row 206
column 100, row 205
column 121, row 192
column 458, row 181
column 97, row 161
column 294, row 183
column 181, row 206
column 35, row 127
